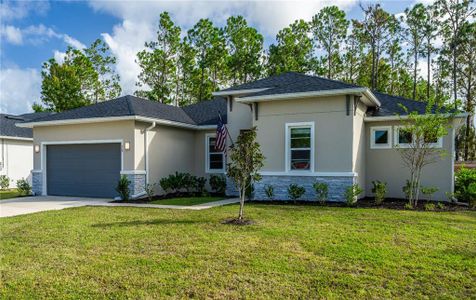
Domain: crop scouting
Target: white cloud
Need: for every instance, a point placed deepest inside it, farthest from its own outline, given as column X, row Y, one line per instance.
column 15, row 10
column 12, row 34
column 73, row 42
column 59, row 56
column 19, row 89
column 140, row 19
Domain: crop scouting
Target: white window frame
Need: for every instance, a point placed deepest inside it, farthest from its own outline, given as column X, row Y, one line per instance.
column 207, row 155
column 373, row 145
column 438, row 144
column 287, row 159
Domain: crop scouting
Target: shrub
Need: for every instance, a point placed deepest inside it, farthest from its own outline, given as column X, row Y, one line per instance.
column 471, row 191
column 269, row 191
column 295, row 191
column 464, row 177
column 199, row 184
column 322, row 191
column 428, row 191
column 174, row 183
column 149, row 190
column 440, row 205
column 430, row 206
column 123, row 188
column 217, row 183
column 408, row 206
column 351, row 194
column 4, row 182
column 406, row 189
column 379, row 189
column 23, row 187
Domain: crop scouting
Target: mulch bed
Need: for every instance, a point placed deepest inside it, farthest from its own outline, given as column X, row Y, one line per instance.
column 390, row 203
column 145, row 200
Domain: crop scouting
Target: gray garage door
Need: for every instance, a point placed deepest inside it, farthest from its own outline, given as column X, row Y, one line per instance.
column 87, row 170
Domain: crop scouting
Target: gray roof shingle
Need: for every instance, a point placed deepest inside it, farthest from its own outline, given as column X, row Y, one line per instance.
column 8, row 127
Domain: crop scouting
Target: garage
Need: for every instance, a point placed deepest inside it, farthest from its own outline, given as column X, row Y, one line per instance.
column 83, row 170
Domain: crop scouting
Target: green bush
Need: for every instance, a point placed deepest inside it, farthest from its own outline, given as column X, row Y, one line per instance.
column 123, row 188
column 379, row 189
column 352, row 193
column 295, row 192
column 464, row 178
column 269, row 191
column 176, row 182
column 4, row 182
column 199, row 185
column 430, row 206
column 217, row 183
column 440, row 205
column 406, row 189
column 23, row 187
column 322, row 191
column 428, row 191
column 408, row 206
column 149, row 190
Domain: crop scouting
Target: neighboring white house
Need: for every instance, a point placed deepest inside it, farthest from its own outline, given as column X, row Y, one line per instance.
column 16, row 147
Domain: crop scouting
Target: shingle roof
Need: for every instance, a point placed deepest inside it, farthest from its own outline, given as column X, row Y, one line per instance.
column 391, row 105
column 203, row 113
column 8, row 127
column 291, row 82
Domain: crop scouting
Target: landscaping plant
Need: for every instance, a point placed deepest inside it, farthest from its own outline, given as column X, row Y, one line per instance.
column 4, row 182
column 424, row 129
column 352, row 193
column 430, row 206
column 217, row 183
column 322, row 191
column 464, row 178
column 23, row 187
column 295, row 192
column 429, row 191
column 379, row 189
column 199, row 185
column 246, row 161
column 269, row 191
column 149, row 190
column 123, row 188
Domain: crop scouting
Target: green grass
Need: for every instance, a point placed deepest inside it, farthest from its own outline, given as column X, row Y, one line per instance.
column 7, row 194
column 291, row 252
column 186, row 201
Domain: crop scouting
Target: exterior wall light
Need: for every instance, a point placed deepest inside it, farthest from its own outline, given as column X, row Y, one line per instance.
column 37, row 148
column 127, row 146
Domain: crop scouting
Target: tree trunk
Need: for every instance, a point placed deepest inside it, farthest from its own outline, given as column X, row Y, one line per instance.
column 454, row 76
column 428, row 61
column 466, row 137
column 415, row 66
column 242, row 203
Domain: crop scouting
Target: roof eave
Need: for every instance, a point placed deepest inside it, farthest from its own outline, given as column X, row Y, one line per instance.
column 272, row 97
column 17, row 138
column 238, row 92
column 397, row 117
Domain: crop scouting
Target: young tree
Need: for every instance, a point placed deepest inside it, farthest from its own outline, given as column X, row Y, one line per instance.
column 423, row 131
column 245, row 48
column 246, row 161
column 158, row 63
column 329, row 29
column 455, row 14
column 415, row 20
column 208, row 43
column 376, row 31
column 69, row 85
column 292, row 51
column 103, row 62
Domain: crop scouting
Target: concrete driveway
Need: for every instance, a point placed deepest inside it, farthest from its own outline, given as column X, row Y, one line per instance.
column 28, row 205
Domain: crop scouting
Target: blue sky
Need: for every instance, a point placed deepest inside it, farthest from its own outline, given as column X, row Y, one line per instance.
column 33, row 32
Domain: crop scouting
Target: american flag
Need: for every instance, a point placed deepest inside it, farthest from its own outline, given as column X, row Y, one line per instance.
column 220, row 142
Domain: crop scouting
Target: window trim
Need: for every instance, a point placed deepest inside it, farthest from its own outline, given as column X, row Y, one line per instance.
column 438, row 144
column 372, row 137
column 287, row 143
column 207, row 155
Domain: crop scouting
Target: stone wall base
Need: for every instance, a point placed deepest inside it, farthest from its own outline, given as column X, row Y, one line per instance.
column 336, row 184
column 231, row 190
column 37, row 183
column 137, row 185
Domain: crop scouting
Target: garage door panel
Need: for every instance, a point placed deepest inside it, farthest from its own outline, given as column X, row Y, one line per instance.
column 88, row 170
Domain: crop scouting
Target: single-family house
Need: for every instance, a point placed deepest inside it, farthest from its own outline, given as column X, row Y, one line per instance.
column 310, row 129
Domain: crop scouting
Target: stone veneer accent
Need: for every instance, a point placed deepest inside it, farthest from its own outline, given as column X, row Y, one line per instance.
column 231, row 189
column 137, row 184
column 337, row 186
column 36, row 182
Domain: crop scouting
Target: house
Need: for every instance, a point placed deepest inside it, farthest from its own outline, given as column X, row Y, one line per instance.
column 309, row 128
column 16, row 147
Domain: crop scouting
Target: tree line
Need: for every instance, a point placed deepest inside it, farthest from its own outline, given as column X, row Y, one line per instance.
column 380, row 51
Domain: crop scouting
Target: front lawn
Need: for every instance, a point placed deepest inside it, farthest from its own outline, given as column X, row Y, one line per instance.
column 10, row 193
column 187, row 201
column 291, row 252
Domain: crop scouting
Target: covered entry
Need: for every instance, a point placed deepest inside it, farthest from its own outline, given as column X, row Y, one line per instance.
column 83, row 170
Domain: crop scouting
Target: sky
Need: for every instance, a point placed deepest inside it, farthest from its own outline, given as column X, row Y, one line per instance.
column 32, row 32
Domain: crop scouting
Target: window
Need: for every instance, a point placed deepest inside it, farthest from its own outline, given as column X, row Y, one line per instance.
column 403, row 138
column 381, row 137
column 215, row 161
column 300, row 147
